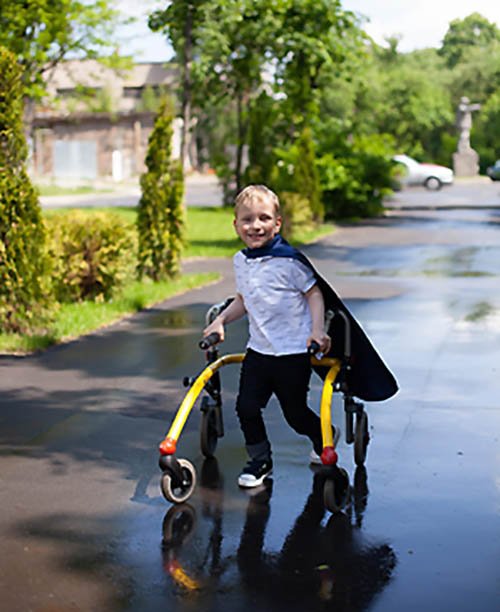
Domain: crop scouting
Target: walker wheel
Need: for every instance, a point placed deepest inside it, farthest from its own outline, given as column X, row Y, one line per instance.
column 175, row 491
column 208, row 431
column 336, row 491
column 361, row 438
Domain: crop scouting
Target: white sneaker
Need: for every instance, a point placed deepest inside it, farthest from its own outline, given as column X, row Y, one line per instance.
column 254, row 473
column 314, row 458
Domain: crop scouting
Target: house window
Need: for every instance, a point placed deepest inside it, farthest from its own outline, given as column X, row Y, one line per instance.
column 133, row 93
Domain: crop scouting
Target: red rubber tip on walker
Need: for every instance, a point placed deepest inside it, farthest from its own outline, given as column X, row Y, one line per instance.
column 329, row 456
column 168, row 446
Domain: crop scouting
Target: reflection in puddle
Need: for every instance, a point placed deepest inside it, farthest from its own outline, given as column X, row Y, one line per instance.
column 323, row 559
column 428, row 260
column 479, row 312
column 462, row 262
column 170, row 319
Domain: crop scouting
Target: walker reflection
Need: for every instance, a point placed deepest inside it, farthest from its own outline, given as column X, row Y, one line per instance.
column 328, row 563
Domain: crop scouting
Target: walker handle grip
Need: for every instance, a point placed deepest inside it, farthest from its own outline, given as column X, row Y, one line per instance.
column 211, row 340
column 313, row 348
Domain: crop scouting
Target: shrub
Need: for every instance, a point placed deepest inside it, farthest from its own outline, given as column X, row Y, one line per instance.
column 24, row 280
column 296, row 172
column 296, row 213
column 306, row 175
column 93, row 255
column 355, row 180
column 261, row 138
column 160, row 217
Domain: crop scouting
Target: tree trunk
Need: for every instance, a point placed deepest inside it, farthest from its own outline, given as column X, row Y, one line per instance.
column 186, row 85
column 242, row 130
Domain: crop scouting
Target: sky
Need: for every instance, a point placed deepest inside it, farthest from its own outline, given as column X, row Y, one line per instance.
column 418, row 23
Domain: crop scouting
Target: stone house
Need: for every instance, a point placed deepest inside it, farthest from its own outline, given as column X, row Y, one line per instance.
column 97, row 121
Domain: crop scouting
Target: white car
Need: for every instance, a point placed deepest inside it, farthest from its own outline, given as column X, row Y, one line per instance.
column 431, row 176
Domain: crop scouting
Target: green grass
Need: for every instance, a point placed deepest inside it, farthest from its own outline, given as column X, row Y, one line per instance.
column 56, row 190
column 74, row 320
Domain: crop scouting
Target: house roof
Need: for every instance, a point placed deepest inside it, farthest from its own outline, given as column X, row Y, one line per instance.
column 153, row 73
column 91, row 73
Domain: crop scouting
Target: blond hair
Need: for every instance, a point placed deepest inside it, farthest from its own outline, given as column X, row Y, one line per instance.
column 256, row 192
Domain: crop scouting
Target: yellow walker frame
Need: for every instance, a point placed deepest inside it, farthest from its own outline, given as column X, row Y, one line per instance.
column 178, row 480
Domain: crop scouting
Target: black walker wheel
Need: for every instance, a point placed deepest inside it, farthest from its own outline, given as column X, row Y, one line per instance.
column 208, row 430
column 336, row 491
column 175, row 491
column 361, row 438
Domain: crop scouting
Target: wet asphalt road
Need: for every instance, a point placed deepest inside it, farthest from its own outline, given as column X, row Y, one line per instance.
column 83, row 520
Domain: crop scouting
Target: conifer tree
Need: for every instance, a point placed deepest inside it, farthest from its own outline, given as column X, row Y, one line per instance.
column 160, row 218
column 306, row 177
column 24, row 294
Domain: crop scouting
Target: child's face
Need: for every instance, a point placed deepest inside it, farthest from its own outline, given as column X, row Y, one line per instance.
column 257, row 223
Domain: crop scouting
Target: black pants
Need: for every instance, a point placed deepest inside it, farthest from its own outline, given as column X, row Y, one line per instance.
column 288, row 378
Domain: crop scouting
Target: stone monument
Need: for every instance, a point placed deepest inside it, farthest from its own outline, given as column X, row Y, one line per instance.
column 465, row 160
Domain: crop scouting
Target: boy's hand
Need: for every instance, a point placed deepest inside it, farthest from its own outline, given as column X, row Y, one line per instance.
column 216, row 326
column 234, row 311
column 322, row 338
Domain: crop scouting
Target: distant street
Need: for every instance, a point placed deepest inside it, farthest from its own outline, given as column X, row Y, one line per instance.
column 479, row 192
column 204, row 190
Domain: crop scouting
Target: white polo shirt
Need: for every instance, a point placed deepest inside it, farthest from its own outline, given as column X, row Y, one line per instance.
column 273, row 291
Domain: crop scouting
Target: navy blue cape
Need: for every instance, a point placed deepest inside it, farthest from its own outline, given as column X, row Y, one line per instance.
column 368, row 376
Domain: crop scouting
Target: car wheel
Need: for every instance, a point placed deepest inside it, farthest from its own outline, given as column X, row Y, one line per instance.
column 433, row 183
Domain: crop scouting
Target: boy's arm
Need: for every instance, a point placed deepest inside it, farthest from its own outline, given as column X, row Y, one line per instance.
column 317, row 307
column 234, row 311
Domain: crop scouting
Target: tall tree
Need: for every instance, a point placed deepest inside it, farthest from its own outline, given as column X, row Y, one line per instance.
column 181, row 23
column 160, row 219
column 235, row 63
column 23, row 260
column 464, row 34
column 315, row 34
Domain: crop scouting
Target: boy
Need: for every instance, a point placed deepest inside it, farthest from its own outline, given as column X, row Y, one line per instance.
column 285, row 311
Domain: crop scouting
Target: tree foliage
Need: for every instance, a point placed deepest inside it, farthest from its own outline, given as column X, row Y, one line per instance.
column 463, row 35
column 160, row 217
column 266, row 72
column 41, row 33
column 23, row 260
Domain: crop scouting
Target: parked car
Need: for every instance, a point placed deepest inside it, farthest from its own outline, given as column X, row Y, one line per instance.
column 430, row 176
column 494, row 171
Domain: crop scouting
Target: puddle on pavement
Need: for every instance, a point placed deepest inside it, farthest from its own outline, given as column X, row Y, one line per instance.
column 437, row 261
column 461, row 262
column 479, row 312
column 176, row 321
column 322, row 559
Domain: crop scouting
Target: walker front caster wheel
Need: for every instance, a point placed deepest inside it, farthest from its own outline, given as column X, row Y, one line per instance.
column 361, row 439
column 336, row 491
column 177, row 490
